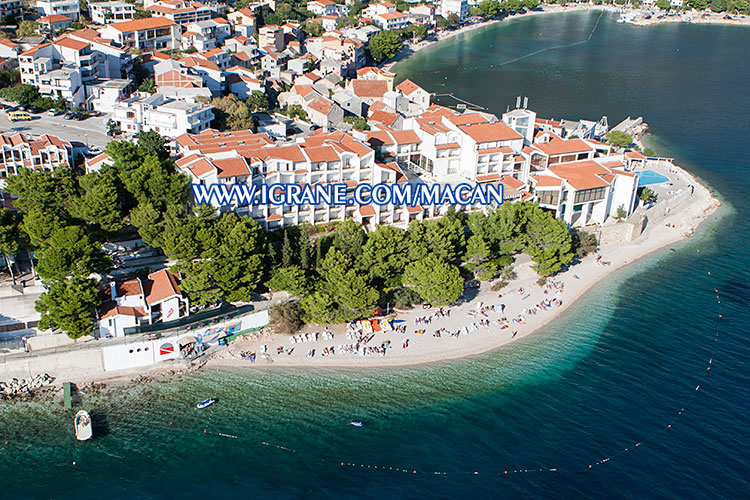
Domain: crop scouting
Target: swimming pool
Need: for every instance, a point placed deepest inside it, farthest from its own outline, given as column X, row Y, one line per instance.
column 647, row 177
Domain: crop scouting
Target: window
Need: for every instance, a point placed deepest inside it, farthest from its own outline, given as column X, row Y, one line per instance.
column 548, row 197
column 590, row 195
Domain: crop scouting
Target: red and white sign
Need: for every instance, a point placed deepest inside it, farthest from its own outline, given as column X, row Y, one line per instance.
column 166, row 349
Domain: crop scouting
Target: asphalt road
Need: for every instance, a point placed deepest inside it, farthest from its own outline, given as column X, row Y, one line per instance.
column 93, row 130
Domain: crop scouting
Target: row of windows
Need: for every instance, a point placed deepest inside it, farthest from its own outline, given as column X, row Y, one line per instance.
column 590, row 195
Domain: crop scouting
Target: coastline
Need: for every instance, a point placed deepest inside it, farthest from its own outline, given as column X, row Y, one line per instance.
column 579, row 278
column 424, row 349
column 713, row 19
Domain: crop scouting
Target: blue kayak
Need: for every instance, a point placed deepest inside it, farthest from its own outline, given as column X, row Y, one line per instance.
column 206, row 403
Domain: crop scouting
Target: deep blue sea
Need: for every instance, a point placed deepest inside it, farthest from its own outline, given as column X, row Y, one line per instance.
column 614, row 371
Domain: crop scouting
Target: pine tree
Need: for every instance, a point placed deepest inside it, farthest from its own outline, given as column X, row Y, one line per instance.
column 287, row 252
column 318, row 252
column 272, row 255
column 305, row 250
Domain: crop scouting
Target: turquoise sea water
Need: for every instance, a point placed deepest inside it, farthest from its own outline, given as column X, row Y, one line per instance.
column 612, row 372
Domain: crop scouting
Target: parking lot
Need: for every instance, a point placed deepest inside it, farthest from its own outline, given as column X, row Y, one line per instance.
column 91, row 131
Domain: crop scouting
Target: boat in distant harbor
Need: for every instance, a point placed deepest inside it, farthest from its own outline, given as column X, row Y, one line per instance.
column 206, row 403
column 83, row 427
column 356, row 423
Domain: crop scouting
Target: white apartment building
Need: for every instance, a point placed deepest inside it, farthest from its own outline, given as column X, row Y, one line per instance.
column 68, row 8
column 458, row 7
column 152, row 33
column 326, row 8
column 60, row 69
column 245, row 158
column 21, row 151
column 169, row 117
column 111, row 12
column 181, row 12
column 391, row 20
column 117, row 63
column 206, row 35
column 10, row 8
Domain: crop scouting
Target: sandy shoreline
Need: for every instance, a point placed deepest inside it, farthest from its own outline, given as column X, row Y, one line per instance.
column 680, row 224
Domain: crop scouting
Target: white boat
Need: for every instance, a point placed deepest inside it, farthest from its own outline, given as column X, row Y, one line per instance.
column 356, row 423
column 206, row 403
column 83, row 427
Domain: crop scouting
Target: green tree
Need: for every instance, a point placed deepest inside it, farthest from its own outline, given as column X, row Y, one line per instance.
column 272, row 19
column 452, row 19
column 348, row 288
column 546, row 239
column 23, row 93
column 70, row 252
column 647, row 195
column 39, row 225
column 312, row 28
column 12, row 238
column 142, row 14
column 304, row 246
column 445, row 238
column 287, row 251
column 385, row 255
column 148, row 85
column 663, row 4
column 231, row 113
column 319, row 308
column 435, row 280
column 489, row 8
column 345, row 21
column 198, row 284
column 26, row 28
column 384, row 45
column 50, row 192
column 151, row 143
column 68, row 304
column 349, row 239
column 619, row 139
column 531, row 4
column 583, row 243
column 257, row 101
column 99, row 203
column 621, row 213
column 237, row 264
column 357, row 122
column 356, row 8
column 286, row 317
column 291, row 279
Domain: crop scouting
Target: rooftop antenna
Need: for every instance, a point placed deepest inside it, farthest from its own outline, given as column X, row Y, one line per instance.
column 518, row 102
column 525, row 102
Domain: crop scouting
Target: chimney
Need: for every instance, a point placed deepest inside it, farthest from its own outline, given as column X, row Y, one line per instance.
column 518, row 102
column 525, row 102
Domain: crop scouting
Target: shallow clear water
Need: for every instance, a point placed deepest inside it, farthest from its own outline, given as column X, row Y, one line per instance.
column 612, row 372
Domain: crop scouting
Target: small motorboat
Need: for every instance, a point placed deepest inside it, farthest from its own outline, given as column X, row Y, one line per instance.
column 356, row 423
column 205, row 404
column 82, row 423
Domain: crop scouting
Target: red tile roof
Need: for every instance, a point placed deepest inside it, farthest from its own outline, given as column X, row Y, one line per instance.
column 369, row 88
column 159, row 286
column 490, row 132
column 142, row 24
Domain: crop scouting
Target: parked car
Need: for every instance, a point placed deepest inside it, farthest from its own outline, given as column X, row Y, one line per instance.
column 54, row 112
column 81, row 116
column 69, row 115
